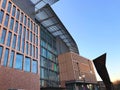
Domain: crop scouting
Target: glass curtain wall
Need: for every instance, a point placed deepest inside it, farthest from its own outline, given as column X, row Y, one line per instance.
column 48, row 60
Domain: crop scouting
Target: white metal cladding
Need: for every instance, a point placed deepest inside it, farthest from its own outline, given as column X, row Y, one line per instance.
column 47, row 17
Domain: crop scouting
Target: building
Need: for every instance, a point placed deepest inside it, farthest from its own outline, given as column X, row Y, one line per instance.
column 76, row 72
column 31, row 39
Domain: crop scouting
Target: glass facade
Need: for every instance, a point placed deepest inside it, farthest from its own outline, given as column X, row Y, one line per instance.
column 49, row 75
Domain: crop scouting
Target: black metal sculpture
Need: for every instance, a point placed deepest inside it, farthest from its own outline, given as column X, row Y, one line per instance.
column 100, row 63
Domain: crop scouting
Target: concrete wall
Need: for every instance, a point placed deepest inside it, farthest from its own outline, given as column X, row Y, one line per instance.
column 27, row 6
column 16, row 79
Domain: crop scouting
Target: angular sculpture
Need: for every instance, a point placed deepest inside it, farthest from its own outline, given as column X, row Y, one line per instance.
column 100, row 63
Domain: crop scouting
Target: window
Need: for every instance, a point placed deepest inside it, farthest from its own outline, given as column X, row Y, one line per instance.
column 36, row 29
column 23, row 39
column 27, row 64
column 21, row 17
column 6, row 20
column 11, row 59
column 11, row 23
column 33, row 51
column 43, row 43
column 6, row 57
column 18, row 43
column 14, row 41
column 25, row 20
column 43, row 52
column 37, row 40
column 1, row 50
column 9, row 38
column 13, row 11
column 19, row 61
column 1, row 16
column 44, row 73
column 36, row 52
column 16, row 27
column 9, row 7
column 28, row 22
column 43, row 62
column 27, row 48
column 18, row 14
column 3, row 36
column 27, row 34
column 19, row 38
column 23, row 43
column 31, row 36
column 31, row 25
column 30, row 49
column 34, row 38
column 4, row 4
column 34, row 66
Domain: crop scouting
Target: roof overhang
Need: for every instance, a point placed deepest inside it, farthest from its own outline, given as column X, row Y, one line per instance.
column 40, row 3
column 47, row 17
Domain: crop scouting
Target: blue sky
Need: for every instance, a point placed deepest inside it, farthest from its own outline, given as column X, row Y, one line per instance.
column 95, row 26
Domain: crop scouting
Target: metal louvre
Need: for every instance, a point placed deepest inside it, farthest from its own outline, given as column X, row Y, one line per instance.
column 47, row 17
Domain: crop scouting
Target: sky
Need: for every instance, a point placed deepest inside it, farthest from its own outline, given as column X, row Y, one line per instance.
column 95, row 26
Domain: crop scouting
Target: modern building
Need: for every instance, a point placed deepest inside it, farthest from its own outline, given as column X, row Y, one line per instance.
column 76, row 72
column 31, row 39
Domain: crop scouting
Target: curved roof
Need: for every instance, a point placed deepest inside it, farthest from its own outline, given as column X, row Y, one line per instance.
column 47, row 17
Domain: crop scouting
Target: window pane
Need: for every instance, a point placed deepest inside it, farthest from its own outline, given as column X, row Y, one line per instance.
column 27, row 64
column 27, row 48
column 9, row 7
column 18, row 14
column 16, row 27
column 9, row 38
column 1, row 50
column 6, row 57
column 36, row 52
column 34, row 66
column 11, row 59
column 14, row 41
column 37, row 40
column 4, row 4
column 19, row 60
column 28, row 22
column 1, row 16
column 11, row 23
column 2, row 40
column 19, row 38
column 27, row 35
column 33, row 51
column 25, row 18
column 31, row 36
column 43, row 52
column 21, row 17
column 6, row 20
column 13, row 11
column 30, row 49
column 31, row 25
